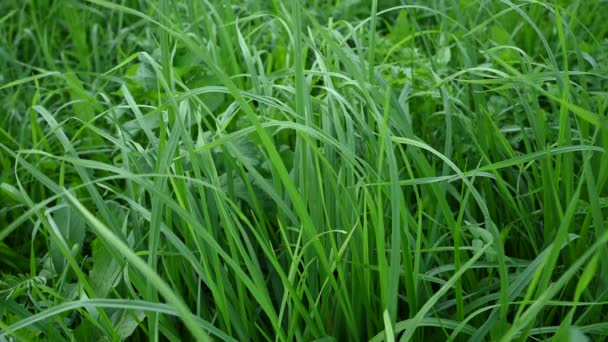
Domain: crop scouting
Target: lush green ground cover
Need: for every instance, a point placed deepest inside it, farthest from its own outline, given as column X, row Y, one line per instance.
column 280, row 170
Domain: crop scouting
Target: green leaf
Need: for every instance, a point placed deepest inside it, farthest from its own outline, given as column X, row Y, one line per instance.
column 401, row 27
column 105, row 273
column 444, row 55
column 576, row 335
column 388, row 327
column 72, row 227
column 127, row 323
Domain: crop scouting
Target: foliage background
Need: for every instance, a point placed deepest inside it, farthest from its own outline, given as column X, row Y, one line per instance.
column 303, row 169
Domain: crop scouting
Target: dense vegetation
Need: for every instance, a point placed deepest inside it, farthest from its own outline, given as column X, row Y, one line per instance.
column 296, row 170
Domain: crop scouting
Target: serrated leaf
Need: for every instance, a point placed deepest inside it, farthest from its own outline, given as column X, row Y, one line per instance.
column 247, row 151
column 401, row 28
column 144, row 76
column 105, row 273
column 72, row 228
column 71, row 225
column 444, row 55
column 127, row 323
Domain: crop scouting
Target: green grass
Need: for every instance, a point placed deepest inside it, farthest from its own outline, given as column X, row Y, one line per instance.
column 304, row 170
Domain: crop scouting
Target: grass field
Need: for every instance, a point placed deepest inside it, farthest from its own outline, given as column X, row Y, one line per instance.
column 273, row 170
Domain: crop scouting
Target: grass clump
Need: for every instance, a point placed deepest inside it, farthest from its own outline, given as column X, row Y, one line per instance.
column 287, row 170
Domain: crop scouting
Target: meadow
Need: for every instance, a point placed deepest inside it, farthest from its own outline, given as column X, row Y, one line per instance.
column 269, row 170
